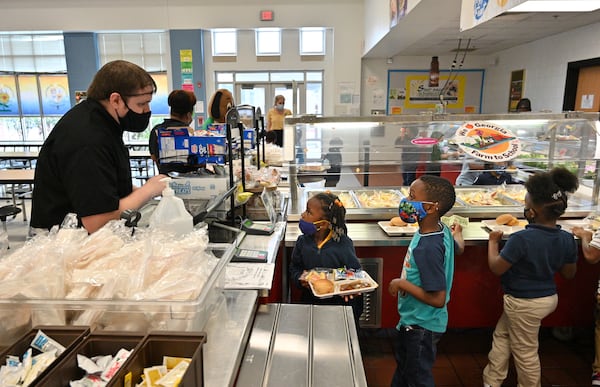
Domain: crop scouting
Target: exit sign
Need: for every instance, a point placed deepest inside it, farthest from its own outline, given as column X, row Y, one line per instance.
column 266, row 15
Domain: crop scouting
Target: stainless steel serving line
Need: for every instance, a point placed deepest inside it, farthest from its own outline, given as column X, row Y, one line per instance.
column 302, row 345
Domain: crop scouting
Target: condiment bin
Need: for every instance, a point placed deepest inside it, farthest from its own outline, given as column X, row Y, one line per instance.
column 95, row 344
column 68, row 337
column 159, row 344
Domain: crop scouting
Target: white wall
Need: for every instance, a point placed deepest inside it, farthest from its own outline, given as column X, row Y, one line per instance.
column 345, row 17
column 545, row 62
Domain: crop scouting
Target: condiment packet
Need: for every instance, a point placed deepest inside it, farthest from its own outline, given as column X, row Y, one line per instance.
column 40, row 363
column 115, row 364
column 173, row 377
column 44, row 343
column 88, row 365
column 153, row 374
column 171, row 362
column 88, row 381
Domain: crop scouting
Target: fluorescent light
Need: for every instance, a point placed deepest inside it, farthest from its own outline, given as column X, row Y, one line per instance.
column 557, row 6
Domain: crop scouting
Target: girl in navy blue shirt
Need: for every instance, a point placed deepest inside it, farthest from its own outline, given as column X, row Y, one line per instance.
column 324, row 244
column 526, row 266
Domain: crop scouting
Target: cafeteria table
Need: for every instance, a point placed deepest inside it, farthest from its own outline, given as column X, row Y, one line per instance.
column 14, row 177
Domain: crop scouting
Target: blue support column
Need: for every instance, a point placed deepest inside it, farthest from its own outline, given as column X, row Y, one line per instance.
column 81, row 53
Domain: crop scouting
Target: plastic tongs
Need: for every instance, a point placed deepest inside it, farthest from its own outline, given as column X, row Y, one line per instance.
column 132, row 217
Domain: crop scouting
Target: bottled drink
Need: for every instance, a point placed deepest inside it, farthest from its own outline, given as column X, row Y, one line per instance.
column 434, row 72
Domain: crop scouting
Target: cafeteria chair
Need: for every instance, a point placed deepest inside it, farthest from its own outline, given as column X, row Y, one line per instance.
column 5, row 212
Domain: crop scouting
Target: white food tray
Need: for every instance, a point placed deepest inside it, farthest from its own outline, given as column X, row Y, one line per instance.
column 396, row 230
column 338, row 284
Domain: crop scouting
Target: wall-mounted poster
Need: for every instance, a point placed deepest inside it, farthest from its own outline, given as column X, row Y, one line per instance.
column 29, row 95
column 9, row 105
column 409, row 91
column 159, row 102
column 517, row 83
column 55, row 94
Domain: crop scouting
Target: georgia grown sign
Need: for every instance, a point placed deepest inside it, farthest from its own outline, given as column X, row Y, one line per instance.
column 487, row 141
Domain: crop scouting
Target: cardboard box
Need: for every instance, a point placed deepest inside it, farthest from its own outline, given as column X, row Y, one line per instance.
column 200, row 187
column 175, row 145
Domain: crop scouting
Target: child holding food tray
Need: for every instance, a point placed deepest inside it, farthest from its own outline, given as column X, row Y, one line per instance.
column 324, row 244
column 423, row 288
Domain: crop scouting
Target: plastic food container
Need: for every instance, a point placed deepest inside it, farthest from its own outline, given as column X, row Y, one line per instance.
column 159, row 344
column 120, row 315
column 68, row 337
column 95, row 344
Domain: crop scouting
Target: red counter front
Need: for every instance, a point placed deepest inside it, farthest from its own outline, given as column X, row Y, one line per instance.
column 476, row 297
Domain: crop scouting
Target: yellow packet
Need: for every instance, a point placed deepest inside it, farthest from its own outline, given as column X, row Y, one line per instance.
column 171, row 362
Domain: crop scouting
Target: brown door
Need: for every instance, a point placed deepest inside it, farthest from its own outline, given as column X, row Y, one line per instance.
column 588, row 90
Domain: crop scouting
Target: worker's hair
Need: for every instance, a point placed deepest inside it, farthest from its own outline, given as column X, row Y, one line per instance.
column 121, row 77
column 439, row 190
column 549, row 190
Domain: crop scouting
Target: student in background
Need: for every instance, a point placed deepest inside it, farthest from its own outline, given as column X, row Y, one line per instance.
column 334, row 157
column 181, row 103
column 494, row 174
column 524, row 105
column 526, row 265
column 423, row 288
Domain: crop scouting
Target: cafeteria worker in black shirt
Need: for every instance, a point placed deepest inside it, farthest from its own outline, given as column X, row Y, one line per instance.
column 83, row 166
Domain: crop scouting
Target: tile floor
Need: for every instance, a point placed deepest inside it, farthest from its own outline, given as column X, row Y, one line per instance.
column 462, row 355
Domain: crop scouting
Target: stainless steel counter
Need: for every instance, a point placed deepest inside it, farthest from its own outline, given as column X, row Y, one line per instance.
column 370, row 234
column 227, row 333
column 302, row 345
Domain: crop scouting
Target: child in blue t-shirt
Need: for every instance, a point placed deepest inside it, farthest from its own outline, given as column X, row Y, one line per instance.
column 423, row 288
column 526, row 266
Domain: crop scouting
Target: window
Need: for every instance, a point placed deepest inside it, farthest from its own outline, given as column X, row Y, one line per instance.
column 268, row 41
column 148, row 50
column 32, row 103
column 224, row 42
column 32, row 53
column 312, row 41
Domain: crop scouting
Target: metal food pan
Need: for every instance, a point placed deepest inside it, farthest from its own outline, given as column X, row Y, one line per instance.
column 346, row 197
column 500, row 200
column 457, row 203
column 383, row 198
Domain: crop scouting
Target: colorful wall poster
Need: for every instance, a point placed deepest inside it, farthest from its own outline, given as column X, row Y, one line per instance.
column 9, row 104
column 54, row 90
column 159, row 102
column 409, row 89
column 30, row 96
column 475, row 12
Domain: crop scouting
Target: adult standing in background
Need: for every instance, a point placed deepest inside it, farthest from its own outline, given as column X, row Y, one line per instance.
column 276, row 116
column 524, row 105
column 83, row 166
column 182, row 104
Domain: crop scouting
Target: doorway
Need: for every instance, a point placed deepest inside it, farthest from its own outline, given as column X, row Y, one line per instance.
column 263, row 95
column 582, row 86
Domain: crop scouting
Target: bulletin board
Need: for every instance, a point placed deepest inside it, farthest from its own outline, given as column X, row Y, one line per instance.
column 409, row 91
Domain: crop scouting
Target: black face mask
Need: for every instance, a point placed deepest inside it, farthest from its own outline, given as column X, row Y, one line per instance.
column 530, row 220
column 135, row 122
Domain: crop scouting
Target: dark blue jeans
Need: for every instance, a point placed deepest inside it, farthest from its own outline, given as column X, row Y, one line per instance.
column 414, row 349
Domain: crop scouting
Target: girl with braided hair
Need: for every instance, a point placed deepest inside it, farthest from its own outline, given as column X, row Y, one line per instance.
column 324, row 244
column 526, row 266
